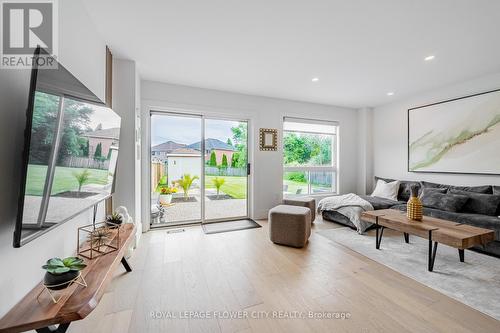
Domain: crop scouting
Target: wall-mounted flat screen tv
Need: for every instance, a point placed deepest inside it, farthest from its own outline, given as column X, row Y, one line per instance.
column 70, row 153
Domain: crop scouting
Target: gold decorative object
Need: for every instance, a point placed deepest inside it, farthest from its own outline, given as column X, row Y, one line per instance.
column 414, row 209
column 268, row 139
column 98, row 239
column 53, row 293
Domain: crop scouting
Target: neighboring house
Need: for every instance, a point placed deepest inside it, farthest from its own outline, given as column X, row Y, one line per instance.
column 160, row 151
column 106, row 137
column 214, row 145
column 183, row 161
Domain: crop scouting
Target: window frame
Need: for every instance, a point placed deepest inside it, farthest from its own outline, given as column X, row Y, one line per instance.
column 333, row 167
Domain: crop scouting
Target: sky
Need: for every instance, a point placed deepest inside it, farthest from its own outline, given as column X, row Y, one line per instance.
column 187, row 130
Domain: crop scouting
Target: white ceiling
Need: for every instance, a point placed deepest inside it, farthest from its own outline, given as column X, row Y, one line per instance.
column 359, row 49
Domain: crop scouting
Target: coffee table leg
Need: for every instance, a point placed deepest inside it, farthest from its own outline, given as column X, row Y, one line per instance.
column 432, row 252
column 461, row 254
column 378, row 238
column 407, row 237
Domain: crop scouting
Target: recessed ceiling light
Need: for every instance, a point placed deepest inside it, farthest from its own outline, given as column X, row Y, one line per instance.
column 429, row 58
column 315, row 79
column 390, row 93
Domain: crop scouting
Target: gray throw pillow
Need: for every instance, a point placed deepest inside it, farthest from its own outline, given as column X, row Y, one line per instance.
column 425, row 191
column 443, row 201
column 476, row 189
column 479, row 203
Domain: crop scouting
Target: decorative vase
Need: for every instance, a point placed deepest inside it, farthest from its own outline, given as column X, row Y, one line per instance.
column 414, row 209
column 165, row 199
column 59, row 281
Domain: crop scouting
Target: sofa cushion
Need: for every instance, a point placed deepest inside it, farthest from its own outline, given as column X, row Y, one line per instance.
column 477, row 189
column 496, row 191
column 427, row 190
column 381, row 203
column 444, row 201
column 404, row 187
column 479, row 203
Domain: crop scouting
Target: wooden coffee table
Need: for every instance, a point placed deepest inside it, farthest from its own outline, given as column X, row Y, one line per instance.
column 458, row 235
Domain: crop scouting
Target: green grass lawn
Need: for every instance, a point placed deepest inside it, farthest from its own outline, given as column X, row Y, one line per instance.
column 64, row 180
column 293, row 186
column 234, row 186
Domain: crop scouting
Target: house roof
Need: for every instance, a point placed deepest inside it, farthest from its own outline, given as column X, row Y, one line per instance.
column 167, row 147
column 108, row 133
column 184, row 152
column 212, row 144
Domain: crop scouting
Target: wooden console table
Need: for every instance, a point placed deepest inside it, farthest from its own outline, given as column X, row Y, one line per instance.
column 458, row 235
column 77, row 301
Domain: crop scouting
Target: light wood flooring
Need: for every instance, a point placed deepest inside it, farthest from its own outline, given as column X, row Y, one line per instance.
column 244, row 271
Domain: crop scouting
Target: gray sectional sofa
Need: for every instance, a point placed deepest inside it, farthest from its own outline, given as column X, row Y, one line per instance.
column 482, row 208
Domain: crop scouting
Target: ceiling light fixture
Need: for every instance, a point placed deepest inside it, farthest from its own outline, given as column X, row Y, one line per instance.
column 390, row 93
column 315, row 79
column 429, row 58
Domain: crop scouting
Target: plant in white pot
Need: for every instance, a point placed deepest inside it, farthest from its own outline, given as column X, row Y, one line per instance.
column 166, row 194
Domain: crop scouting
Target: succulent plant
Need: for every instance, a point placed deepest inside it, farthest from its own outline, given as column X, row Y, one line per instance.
column 114, row 218
column 59, row 266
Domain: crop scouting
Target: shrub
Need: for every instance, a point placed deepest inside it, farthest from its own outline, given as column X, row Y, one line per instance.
column 296, row 176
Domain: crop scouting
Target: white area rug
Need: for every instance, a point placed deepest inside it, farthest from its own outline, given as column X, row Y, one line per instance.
column 476, row 282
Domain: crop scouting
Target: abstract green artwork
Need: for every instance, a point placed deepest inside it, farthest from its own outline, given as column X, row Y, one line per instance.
column 456, row 136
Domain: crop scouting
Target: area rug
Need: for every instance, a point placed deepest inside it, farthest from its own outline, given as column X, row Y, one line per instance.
column 476, row 282
column 215, row 228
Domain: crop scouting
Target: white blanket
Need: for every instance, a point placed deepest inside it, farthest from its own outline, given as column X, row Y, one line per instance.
column 350, row 205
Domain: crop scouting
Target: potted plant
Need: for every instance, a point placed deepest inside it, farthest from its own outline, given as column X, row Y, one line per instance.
column 60, row 272
column 185, row 183
column 114, row 220
column 166, row 194
column 218, row 182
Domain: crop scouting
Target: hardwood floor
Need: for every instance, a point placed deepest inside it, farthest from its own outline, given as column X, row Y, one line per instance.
column 244, row 271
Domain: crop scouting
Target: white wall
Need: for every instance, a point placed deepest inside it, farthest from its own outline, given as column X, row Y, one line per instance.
column 262, row 112
column 125, row 99
column 81, row 49
column 82, row 52
column 390, row 133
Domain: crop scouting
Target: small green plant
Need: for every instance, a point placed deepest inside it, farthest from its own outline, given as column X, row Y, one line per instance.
column 185, row 183
column 82, row 178
column 59, row 266
column 114, row 219
column 162, row 184
column 218, row 182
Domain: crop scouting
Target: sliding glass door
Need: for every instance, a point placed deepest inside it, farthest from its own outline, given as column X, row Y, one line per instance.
column 176, row 187
column 226, row 181
column 198, row 169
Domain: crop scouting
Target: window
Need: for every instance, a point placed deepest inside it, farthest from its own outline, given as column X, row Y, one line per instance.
column 309, row 157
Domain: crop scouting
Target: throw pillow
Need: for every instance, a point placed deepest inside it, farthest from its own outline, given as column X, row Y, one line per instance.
column 443, row 201
column 476, row 189
column 426, row 191
column 479, row 203
column 386, row 190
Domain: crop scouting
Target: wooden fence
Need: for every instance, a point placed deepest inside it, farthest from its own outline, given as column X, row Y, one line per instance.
column 85, row 162
column 157, row 171
column 214, row 171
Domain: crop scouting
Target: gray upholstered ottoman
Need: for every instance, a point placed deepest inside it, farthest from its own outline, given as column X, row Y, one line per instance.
column 304, row 202
column 290, row 225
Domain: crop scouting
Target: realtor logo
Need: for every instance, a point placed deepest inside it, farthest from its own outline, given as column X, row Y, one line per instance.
column 25, row 26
